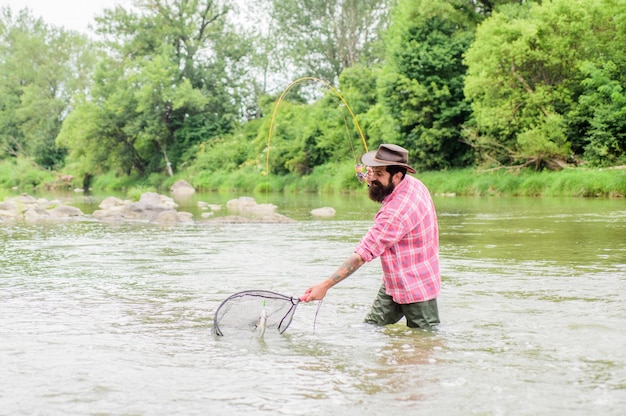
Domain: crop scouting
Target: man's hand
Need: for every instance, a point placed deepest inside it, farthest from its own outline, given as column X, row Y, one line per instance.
column 316, row 292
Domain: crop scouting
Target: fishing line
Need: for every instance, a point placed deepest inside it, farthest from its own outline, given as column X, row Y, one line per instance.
column 358, row 167
column 348, row 135
column 317, row 311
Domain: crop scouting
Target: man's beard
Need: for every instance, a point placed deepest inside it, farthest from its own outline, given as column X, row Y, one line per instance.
column 378, row 192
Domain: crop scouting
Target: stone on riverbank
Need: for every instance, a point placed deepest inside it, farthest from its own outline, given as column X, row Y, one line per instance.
column 182, row 187
column 29, row 209
column 324, row 212
column 151, row 207
column 246, row 210
column 248, row 206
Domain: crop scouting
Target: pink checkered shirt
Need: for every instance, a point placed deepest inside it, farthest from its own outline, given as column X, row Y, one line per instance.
column 405, row 236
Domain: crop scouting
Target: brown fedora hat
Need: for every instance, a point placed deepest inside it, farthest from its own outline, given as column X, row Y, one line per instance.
column 388, row 155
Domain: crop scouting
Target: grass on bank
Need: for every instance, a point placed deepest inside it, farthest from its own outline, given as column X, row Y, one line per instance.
column 579, row 182
column 22, row 176
column 22, row 173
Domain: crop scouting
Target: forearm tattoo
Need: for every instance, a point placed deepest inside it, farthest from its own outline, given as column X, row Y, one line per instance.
column 346, row 269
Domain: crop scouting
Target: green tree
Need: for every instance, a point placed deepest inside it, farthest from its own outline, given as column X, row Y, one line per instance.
column 525, row 78
column 321, row 38
column 171, row 80
column 41, row 67
column 478, row 10
column 602, row 110
column 421, row 84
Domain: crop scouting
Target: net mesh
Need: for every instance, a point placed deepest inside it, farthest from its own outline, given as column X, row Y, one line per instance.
column 242, row 311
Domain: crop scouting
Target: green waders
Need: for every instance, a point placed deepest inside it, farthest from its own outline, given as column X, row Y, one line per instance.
column 385, row 311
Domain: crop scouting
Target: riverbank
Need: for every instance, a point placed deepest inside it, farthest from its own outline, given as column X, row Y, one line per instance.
column 336, row 178
column 604, row 183
column 575, row 182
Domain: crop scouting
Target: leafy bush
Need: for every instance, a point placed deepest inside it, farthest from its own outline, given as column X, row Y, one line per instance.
column 23, row 173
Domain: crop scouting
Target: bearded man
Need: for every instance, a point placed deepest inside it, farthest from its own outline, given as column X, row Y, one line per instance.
column 405, row 236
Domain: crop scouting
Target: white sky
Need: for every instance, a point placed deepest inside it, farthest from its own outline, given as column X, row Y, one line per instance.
column 70, row 14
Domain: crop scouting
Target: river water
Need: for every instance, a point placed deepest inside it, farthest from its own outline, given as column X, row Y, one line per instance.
column 116, row 319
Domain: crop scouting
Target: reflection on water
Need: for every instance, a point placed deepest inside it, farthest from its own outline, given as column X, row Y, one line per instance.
column 116, row 319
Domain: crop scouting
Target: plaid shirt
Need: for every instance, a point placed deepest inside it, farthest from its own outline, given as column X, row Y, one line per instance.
column 406, row 238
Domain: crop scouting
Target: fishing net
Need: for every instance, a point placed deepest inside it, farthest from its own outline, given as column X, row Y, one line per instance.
column 255, row 311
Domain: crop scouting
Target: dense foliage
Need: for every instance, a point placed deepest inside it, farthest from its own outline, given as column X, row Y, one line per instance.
column 421, row 84
column 41, row 68
column 173, row 86
column 544, row 84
